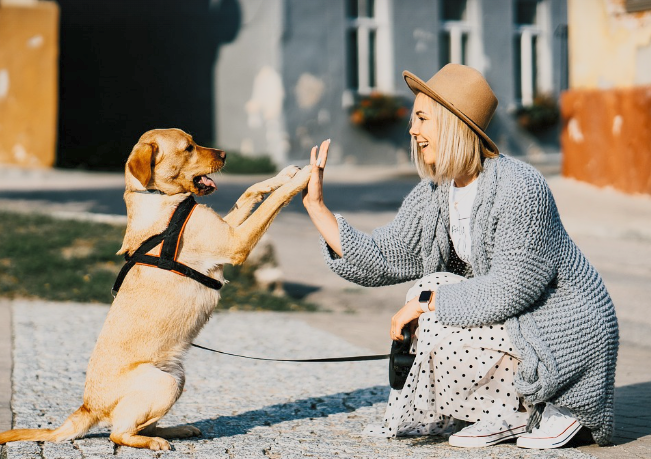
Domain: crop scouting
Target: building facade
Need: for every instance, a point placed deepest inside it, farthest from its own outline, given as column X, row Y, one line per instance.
column 301, row 71
column 606, row 135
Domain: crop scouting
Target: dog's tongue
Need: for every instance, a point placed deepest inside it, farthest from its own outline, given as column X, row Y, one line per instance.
column 208, row 182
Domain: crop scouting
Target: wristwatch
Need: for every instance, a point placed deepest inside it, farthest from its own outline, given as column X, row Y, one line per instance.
column 424, row 298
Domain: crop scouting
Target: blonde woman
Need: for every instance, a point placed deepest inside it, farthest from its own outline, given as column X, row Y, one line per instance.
column 517, row 334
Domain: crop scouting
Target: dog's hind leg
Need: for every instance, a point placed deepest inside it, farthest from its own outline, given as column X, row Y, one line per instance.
column 185, row 431
column 150, row 395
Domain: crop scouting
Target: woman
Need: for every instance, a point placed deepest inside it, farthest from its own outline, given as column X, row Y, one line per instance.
column 516, row 331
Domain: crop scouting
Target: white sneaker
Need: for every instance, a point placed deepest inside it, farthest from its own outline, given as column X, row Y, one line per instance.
column 557, row 427
column 490, row 431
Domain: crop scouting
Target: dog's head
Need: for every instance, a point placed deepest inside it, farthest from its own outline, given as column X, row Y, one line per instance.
column 169, row 160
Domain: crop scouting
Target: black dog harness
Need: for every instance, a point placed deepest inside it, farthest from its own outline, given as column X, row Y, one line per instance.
column 169, row 250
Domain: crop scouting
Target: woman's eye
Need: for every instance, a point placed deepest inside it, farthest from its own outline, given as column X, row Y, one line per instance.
column 189, row 147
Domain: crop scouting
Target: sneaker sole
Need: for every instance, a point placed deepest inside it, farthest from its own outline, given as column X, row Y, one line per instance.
column 486, row 440
column 550, row 442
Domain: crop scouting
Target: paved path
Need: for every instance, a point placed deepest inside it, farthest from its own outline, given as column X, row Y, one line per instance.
column 249, row 409
column 246, row 409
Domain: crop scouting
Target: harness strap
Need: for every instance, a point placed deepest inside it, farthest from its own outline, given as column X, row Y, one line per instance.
column 170, row 239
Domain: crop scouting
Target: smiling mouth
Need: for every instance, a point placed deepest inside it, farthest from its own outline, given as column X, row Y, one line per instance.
column 423, row 144
column 204, row 184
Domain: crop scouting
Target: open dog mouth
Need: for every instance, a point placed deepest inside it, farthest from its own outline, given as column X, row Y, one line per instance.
column 204, row 184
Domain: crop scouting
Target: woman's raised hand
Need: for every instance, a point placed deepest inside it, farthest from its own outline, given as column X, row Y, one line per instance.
column 313, row 194
column 322, row 218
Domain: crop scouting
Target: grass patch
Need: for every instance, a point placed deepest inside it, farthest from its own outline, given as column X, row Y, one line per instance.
column 237, row 163
column 65, row 260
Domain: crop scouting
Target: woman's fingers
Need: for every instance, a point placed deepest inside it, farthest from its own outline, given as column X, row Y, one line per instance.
column 396, row 329
column 313, row 155
column 323, row 154
column 410, row 311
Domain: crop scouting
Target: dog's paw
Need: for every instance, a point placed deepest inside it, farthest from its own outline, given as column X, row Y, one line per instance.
column 159, row 444
column 303, row 176
column 289, row 172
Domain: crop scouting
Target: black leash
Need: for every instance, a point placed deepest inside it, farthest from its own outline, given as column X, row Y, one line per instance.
column 356, row 358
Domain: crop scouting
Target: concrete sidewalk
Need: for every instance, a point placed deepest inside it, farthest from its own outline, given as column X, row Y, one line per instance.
column 614, row 230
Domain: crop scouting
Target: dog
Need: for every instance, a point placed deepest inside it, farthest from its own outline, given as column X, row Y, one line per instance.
column 135, row 373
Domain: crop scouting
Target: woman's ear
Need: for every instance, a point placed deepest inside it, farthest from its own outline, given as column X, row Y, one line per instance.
column 140, row 161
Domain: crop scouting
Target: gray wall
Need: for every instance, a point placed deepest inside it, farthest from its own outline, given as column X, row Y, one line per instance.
column 250, row 94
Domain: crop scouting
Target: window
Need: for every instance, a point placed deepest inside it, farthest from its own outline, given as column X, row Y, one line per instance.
column 368, row 44
column 532, row 50
column 455, row 32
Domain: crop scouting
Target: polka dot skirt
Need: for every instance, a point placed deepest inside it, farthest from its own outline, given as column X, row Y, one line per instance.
column 462, row 373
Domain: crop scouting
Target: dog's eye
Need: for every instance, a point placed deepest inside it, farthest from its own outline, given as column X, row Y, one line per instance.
column 190, row 147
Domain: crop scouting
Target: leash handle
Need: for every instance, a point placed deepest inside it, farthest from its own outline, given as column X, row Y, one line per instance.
column 356, row 358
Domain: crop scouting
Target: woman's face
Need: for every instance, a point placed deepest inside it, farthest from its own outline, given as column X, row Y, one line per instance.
column 424, row 129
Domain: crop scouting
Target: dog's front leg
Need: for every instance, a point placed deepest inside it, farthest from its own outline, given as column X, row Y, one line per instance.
column 247, row 235
column 255, row 194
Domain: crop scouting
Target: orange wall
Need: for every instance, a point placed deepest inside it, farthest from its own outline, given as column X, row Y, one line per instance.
column 29, row 43
column 606, row 137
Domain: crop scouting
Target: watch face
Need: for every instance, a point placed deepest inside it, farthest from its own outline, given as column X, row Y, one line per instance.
column 425, row 296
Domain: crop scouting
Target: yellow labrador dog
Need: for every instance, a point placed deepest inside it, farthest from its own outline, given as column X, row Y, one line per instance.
column 135, row 373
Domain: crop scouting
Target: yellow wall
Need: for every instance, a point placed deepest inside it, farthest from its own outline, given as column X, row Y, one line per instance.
column 29, row 43
column 608, row 47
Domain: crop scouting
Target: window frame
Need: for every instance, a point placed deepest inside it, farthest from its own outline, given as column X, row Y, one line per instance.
column 371, row 52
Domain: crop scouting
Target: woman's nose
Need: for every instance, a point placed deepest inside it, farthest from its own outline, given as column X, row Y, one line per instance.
column 413, row 130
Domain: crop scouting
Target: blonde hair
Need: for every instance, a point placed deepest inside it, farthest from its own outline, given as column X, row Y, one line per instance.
column 459, row 150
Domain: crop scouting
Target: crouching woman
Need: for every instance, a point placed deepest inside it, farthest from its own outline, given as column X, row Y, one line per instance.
column 517, row 334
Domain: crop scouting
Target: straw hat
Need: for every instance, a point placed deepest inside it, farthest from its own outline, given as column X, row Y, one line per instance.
column 463, row 91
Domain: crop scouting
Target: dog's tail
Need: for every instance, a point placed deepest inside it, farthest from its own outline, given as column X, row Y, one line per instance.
column 75, row 426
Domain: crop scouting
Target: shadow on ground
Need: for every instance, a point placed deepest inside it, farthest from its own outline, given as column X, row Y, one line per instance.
column 343, row 402
column 632, row 418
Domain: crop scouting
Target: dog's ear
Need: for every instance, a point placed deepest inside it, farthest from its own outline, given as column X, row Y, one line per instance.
column 140, row 161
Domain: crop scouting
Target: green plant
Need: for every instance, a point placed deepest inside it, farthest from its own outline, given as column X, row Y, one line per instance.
column 67, row 260
column 237, row 163
column 542, row 114
column 377, row 110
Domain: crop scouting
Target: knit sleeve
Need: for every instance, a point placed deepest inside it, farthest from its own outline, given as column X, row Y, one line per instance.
column 390, row 254
column 523, row 262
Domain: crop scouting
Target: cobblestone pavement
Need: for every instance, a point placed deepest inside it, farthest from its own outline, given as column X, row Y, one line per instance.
column 246, row 409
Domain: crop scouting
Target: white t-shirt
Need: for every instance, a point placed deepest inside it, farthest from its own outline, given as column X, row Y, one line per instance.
column 461, row 201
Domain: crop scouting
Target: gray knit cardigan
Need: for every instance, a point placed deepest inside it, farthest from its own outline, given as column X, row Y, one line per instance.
column 528, row 273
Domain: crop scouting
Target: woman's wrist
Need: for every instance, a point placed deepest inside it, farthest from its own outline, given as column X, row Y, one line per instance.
column 426, row 299
column 315, row 208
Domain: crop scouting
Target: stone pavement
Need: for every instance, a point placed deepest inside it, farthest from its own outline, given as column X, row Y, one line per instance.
column 257, row 409
column 245, row 409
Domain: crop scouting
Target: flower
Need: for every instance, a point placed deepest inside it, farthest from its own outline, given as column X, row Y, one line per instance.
column 377, row 110
column 540, row 115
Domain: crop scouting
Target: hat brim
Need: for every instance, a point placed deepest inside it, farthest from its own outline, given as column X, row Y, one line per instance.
column 419, row 86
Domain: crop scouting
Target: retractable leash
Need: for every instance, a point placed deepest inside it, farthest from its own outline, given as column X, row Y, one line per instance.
column 356, row 358
column 169, row 240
